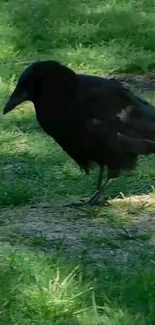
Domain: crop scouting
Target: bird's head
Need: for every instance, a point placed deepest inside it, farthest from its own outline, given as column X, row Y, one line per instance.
column 38, row 78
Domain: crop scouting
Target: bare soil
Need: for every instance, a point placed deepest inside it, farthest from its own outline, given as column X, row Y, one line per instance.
column 112, row 233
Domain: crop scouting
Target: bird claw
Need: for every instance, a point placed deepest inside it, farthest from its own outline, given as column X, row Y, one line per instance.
column 94, row 201
column 98, row 200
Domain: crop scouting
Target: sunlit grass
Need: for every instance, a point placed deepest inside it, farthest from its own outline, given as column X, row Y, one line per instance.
column 38, row 289
column 95, row 36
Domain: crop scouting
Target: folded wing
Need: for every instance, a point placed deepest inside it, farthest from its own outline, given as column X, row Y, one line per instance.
column 120, row 119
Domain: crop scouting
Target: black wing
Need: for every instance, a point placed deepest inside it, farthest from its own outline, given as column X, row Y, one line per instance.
column 118, row 117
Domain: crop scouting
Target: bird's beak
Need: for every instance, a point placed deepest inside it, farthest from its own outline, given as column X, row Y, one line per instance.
column 15, row 99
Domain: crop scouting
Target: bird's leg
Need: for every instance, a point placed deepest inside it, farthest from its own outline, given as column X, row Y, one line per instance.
column 99, row 186
column 94, row 197
column 98, row 198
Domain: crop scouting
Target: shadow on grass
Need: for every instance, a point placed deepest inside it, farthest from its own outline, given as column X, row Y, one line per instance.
column 34, row 168
column 33, row 174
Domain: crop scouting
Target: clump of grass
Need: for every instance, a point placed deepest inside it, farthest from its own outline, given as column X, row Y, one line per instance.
column 35, row 289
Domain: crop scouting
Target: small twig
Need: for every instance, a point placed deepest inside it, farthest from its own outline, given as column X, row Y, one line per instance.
column 40, row 206
column 127, row 232
column 122, row 195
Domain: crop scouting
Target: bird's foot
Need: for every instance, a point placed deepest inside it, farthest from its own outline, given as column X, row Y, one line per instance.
column 98, row 199
column 75, row 204
column 95, row 200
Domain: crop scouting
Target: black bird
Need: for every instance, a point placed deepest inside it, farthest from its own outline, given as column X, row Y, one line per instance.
column 95, row 120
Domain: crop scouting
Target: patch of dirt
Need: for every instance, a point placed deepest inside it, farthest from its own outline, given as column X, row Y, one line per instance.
column 95, row 235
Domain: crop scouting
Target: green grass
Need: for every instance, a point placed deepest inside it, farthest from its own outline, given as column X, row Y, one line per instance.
column 38, row 289
column 64, row 267
column 94, row 36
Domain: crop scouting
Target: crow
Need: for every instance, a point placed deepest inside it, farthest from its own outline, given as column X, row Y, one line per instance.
column 95, row 120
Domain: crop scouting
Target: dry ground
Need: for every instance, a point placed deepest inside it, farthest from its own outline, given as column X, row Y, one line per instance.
column 118, row 232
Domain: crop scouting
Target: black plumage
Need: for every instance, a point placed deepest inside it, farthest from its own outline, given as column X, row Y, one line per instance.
column 94, row 119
